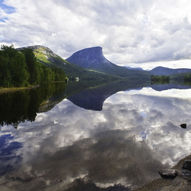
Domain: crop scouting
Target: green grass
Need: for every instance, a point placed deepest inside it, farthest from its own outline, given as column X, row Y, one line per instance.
column 40, row 55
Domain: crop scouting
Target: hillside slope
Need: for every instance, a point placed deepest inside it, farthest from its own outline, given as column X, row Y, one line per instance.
column 48, row 57
column 93, row 58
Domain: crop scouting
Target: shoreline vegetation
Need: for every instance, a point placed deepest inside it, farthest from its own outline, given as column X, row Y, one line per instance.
column 4, row 90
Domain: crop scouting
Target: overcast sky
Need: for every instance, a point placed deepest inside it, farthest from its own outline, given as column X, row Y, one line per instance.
column 130, row 31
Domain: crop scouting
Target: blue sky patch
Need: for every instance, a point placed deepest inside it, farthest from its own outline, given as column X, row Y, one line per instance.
column 9, row 159
column 6, row 8
column 3, row 20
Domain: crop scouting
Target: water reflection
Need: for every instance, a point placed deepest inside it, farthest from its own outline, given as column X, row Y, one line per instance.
column 24, row 105
column 136, row 133
column 21, row 106
column 93, row 98
column 107, row 158
column 8, row 156
column 161, row 87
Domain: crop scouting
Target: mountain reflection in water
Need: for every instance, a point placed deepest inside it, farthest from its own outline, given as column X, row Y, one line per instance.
column 135, row 134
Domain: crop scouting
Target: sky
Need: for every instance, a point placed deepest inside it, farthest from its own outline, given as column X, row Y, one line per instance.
column 139, row 33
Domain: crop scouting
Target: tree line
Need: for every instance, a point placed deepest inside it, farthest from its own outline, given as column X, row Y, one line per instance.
column 160, row 79
column 21, row 68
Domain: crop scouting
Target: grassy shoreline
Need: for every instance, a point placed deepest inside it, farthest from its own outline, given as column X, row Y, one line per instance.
column 15, row 89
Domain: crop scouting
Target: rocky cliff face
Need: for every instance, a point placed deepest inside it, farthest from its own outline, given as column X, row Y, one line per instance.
column 91, row 58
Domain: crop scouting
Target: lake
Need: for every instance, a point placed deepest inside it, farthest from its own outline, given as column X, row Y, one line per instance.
column 113, row 137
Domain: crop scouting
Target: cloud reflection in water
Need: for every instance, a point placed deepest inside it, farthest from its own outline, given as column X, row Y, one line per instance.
column 136, row 133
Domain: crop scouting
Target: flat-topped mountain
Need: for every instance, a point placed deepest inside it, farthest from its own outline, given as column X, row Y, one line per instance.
column 93, row 58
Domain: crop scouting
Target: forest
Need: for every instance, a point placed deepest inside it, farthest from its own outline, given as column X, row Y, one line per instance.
column 19, row 68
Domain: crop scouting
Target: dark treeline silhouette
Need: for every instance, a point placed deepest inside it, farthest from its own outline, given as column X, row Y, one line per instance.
column 187, row 78
column 160, row 79
column 20, row 68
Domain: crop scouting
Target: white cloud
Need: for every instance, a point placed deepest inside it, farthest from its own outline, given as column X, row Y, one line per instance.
column 129, row 31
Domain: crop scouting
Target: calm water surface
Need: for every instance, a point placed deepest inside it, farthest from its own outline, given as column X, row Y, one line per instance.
column 97, row 139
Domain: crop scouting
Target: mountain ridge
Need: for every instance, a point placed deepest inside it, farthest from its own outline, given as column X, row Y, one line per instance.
column 93, row 58
column 90, row 64
column 165, row 71
column 47, row 57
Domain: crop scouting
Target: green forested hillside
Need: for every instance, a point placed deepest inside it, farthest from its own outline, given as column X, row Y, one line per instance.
column 86, row 77
column 21, row 68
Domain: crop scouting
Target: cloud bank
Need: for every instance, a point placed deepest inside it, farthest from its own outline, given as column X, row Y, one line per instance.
column 130, row 31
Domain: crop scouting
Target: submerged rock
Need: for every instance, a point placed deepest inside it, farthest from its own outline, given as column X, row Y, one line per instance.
column 187, row 165
column 183, row 125
column 168, row 173
column 186, row 170
column 186, row 174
